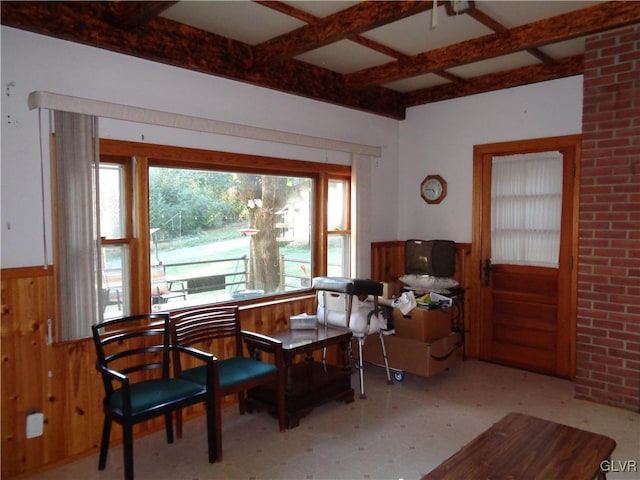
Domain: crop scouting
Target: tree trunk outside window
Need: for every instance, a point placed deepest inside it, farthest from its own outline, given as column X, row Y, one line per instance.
column 264, row 266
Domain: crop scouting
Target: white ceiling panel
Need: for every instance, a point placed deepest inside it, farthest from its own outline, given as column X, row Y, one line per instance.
column 344, row 57
column 230, row 19
column 564, row 49
column 415, row 34
column 416, row 83
column 321, row 9
column 499, row 64
column 514, row 13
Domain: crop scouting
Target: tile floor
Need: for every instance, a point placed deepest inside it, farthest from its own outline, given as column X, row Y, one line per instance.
column 400, row 431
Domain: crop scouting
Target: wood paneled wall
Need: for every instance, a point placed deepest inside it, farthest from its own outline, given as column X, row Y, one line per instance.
column 60, row 380
column 387, row 265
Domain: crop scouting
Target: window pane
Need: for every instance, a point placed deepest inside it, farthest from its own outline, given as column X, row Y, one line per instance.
column 338, row 255
column 337, row 204
column 218, row 236
column 526, row 208
column 115, row 283
column 111, row 201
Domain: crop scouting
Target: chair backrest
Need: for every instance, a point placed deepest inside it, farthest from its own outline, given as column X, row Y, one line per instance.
column 136, row 346
column 207, row 324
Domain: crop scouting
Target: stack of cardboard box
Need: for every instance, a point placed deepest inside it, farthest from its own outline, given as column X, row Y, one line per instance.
column 423, row 343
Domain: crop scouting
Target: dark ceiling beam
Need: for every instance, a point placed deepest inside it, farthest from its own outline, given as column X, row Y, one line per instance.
column 129, row 15
column 312, row 19
column 300, row 78
column 567, row 67
column 449, row 76
column 481, row 17
column 158, row 39
column 339, row 26
column 500, row 29
column 579, row 23
column 540, row 55
column 182, row 46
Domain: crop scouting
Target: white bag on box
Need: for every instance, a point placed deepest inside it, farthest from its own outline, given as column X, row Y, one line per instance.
column 405, row 303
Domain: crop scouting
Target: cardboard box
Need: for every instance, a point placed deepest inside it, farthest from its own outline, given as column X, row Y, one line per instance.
column 411, row 356
column 422, row 324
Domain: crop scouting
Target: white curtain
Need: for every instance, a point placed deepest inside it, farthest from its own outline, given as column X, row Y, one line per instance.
column 78, row 237
column 361, row 201
column 526, row 206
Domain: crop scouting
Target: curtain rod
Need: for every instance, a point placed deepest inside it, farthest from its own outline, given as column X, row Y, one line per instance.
column 55, row 101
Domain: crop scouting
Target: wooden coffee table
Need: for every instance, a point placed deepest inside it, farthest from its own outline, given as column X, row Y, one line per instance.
column 523, row 447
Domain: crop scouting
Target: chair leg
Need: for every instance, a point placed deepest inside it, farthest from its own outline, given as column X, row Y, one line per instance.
column 282, row 416
column 168, row 425
column 242, row 403
column 179, row 423
column 212, row 429
column 104, row 443
column 217, row 406
column 127, row 447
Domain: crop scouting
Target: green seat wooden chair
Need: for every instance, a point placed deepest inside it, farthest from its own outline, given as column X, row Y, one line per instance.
column 217, row 329
column 134, row 361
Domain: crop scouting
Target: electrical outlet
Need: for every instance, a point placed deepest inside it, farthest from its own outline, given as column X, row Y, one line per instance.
column 35, row 423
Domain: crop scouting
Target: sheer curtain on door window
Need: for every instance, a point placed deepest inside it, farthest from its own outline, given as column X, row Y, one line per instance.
column 526, row 206
column 78, row 237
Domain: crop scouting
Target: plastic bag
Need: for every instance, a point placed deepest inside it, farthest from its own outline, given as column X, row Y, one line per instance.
column 405, row 303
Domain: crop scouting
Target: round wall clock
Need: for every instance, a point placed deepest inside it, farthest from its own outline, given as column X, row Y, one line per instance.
column 433, row 189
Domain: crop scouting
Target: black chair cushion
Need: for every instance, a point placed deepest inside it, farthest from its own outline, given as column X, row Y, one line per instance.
column 152, row 393
column 232, row 371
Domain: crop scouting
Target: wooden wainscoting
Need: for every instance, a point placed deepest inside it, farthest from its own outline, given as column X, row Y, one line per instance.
column 60, row 380
column 387, row 265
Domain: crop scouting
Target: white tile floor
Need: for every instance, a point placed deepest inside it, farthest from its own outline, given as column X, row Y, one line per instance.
column 400, row 431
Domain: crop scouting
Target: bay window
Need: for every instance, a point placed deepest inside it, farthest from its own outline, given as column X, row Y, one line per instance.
column 182, row 227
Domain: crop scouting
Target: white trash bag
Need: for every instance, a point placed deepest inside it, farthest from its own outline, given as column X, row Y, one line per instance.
column 405, row 302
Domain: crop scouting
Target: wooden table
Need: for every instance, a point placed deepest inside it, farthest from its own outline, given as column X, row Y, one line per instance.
column 523, row 447
column 309, row 383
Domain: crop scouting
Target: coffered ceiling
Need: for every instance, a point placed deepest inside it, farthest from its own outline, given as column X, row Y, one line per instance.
column 376, row 56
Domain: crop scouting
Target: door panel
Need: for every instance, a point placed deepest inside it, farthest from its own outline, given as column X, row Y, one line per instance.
column 536, row 359
column 526, row 313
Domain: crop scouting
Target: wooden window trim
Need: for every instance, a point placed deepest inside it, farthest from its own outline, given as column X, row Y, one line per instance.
column 147, row 155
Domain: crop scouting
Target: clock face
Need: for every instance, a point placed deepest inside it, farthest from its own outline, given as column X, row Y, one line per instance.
column 433, row 189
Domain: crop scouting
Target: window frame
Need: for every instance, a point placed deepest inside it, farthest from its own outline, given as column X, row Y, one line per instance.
column 346, row 231
column 127, row 240
column 142, row 155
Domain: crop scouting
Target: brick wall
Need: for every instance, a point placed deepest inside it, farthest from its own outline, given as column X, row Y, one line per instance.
column 608, row 330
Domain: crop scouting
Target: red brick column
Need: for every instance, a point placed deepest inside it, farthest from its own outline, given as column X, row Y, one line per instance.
column 608, row 327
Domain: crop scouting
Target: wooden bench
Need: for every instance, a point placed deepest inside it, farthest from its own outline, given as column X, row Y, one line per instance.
column 523, row 447
column 161, row 289
column 112, row 287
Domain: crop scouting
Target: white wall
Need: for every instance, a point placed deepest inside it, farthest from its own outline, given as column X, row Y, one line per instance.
column 439, row 138
column 33, row 62
column 436, row 138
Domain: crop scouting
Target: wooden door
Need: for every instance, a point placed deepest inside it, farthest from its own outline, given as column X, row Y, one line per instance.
column 526, row 313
